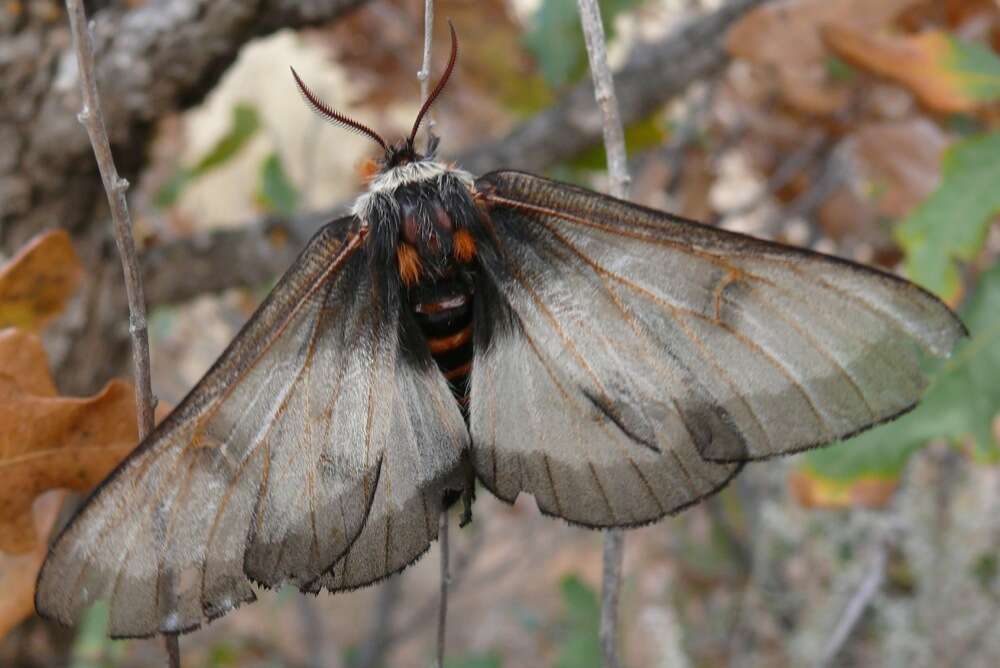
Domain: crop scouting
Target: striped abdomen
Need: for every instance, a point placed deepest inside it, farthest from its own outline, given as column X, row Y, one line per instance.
column 443, row 310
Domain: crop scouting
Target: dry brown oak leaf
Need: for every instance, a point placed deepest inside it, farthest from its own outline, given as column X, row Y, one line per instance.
column 925, row 64
column 18, row 571
column 37, row 282
column 51, row 442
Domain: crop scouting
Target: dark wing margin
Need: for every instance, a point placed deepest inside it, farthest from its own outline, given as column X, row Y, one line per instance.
column 274, row 464
column 634, row 360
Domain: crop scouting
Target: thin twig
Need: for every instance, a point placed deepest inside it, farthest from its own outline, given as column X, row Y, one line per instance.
column 424, row 75
column 173, row 646
column 320, row 649
column 115, row 187
column 827, row 176
column 946, row 485
column 734, row 543
column 856, row 606
column 813, row 147
column 614, row 148
column 445, row 581
column 457, row 571
column 374, row 649
column 687, row 133
column 611, row 587
column 604, row 93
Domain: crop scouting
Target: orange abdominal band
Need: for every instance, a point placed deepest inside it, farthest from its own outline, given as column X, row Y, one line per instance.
column 447, row 343
column 463, row 246
column 409, row 264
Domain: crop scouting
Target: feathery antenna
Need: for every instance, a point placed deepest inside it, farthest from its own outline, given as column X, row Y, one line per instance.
column 336, row 117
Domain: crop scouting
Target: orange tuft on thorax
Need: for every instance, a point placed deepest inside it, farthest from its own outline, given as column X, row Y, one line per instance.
column 369, row 169
column 409, row 264
column 463, row 246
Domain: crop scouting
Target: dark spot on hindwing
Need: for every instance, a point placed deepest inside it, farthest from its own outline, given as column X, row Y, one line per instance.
column 709, row 425
column 713, row 431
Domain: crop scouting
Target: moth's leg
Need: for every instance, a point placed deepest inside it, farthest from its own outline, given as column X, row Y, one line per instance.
column 468, row 492
column 468, row 496
column 461, row 484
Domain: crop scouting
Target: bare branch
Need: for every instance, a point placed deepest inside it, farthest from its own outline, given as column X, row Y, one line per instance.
column 173, row 650
column 614, row 148
column 445, row 581
column 320, row 649
column 222, row 259
column 457, row 572
column 826, row 177
column 815, row 144
column 653, row 74
column 856, row 606
column 737, row 547
column 380, row 637
column 152, row 59
column 424, row 75
column 115, row 187
column 611, row 586
column 604, row 93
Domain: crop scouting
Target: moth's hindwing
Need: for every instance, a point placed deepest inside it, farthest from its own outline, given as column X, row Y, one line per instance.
column 645, row 357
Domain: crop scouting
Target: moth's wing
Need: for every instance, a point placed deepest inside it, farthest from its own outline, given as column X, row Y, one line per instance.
column 628, row 361
column 268, row 470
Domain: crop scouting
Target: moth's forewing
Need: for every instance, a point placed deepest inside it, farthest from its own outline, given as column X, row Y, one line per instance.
column 276, row 462
column 655, row 354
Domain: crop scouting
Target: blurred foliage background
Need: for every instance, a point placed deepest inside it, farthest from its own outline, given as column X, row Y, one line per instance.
column 865, row 129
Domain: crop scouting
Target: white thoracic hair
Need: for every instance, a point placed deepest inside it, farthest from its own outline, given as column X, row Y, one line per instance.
column 411, row 172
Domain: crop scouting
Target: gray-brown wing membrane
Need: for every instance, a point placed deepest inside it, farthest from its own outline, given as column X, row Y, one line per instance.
column 308, row 427
column 645, row 356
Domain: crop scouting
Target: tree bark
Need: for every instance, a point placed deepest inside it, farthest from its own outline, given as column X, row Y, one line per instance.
column 152, row 60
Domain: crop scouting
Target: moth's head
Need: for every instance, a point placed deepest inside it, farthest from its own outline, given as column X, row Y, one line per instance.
column 402, row 152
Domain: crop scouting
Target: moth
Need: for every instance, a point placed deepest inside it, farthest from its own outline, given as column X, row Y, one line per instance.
column 616, row 362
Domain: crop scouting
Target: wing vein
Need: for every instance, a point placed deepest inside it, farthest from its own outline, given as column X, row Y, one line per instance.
column 693, row 337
